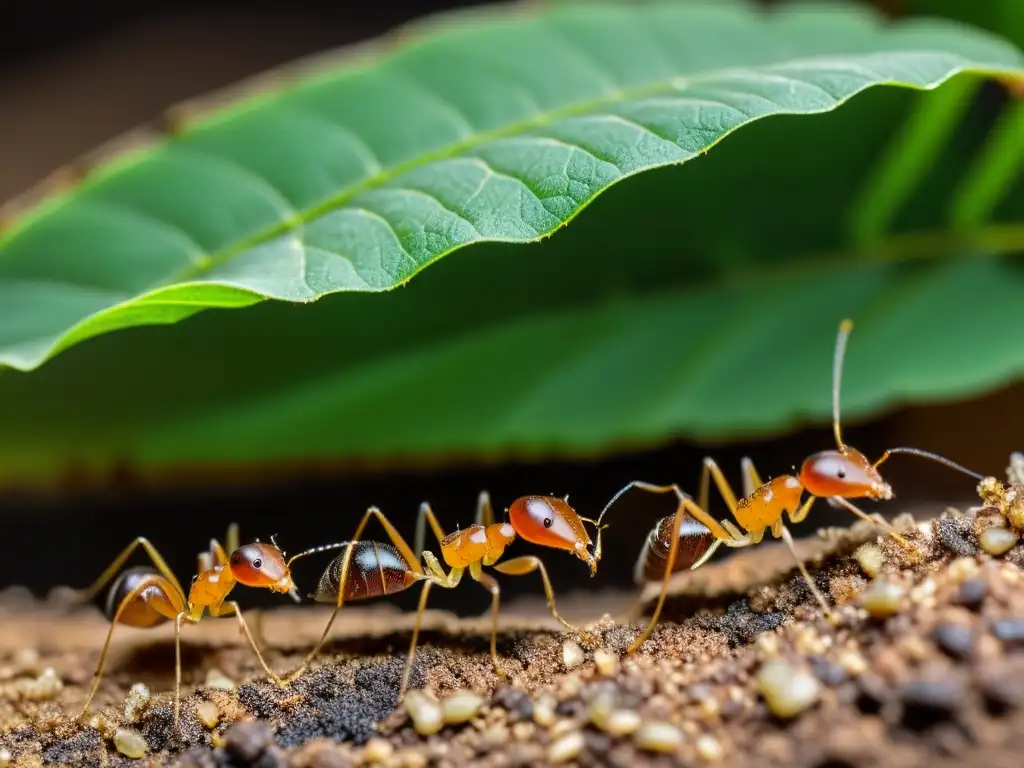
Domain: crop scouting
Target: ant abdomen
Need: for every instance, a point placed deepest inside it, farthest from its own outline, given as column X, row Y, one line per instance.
column 140, row 612
column 694, row 541
column 374, row 570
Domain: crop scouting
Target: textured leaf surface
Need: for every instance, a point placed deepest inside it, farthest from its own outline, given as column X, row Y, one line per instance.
column 495, row 128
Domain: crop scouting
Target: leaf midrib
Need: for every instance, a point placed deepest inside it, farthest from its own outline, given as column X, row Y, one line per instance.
column 674, row 84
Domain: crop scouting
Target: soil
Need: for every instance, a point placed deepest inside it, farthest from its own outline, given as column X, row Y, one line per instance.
column 932, row 673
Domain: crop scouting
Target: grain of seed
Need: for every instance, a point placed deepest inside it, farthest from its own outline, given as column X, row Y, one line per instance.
column 410, row 758
column 622, row 722
column 997, row 541
column 870, row 558
column 544, row 712
column 709, row 748
column 572, row 654
column 5, row 758
column 658, row 737
column 135, row 702
column 882, row 598
column 600, row 707
column 130, row 743
column 217, row 679
column 377, row 750
column 787, row 690
column 425, row 712
column 461, row 707
column 566, row 748
column 607, row 663
column 852, row 662
column 209, row 714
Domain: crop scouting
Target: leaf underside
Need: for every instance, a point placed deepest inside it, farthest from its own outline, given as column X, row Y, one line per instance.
column 698, row 300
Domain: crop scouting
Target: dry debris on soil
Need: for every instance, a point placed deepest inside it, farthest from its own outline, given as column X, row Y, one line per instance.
column 925, row 662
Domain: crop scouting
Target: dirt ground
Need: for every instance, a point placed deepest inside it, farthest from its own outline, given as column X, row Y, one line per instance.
column 923, row 664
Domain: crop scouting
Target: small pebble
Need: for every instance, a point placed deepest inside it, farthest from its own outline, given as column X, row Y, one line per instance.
column 209, row 714
column 461, row 707
column 495, row 736
column 870, row 558
column 425, row 712
column 410, row 758
column 248, row 739
column 954, row 639
column 882, row 598
column 515, row 701
column 377, row 750
column 544, row 712
column 607, row 663
column 1010, row 631
column 997, row 541
column 709, row 749
column 572, row 654
column 601, row 707
column 827, row 671
column 658, row 737
column 217, row 679
column 130, row 743
column 926, row 701
column 972, row 593
column 787, row 690
column 566, row 748
column 135, row 702
column 622, row 722
column 853, row 662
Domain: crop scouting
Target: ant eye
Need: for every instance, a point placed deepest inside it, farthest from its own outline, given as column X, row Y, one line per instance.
column 841, row 474
column 547, row 522
column 257, row 563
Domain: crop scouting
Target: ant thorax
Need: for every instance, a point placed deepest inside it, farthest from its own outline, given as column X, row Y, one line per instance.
column 210, row 587
column 477, row 543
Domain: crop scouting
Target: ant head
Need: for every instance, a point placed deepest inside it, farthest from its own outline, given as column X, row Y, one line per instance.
column 550, row 522
column 845, row 472
column 261, row 565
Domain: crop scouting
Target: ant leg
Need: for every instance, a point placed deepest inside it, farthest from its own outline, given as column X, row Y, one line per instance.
column 115, row 566
column 491, row 585
column 788, row 539
column 400, row 545
column 177, row 667
column 520, row 566
column 685, row 501
column 751, row 479
column 875, row 519
column 710, row 470
column 484, row 510
column 798, row 515
column 231, row 540
column 233, row 607
column 420, row 608
column 426, row 515
column 132, row 596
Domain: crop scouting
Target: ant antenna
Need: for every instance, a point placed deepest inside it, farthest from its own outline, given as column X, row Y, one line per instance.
column 845, row 327
column 933, row 457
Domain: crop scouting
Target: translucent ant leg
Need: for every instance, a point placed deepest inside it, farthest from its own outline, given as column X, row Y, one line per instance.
column 521, row 566
column 420, row 608
column 144, row 584
column 788, row 539
column 400, row 545
column 875, row 519
column 685, row 501
column 233, row 607
column 115, row 566
column 484, row 510
column 489, row 583
column 231, row 540
column 177, row 666
column 426, row 515
column 686, row 505
column 751, row 479
column 711, row 470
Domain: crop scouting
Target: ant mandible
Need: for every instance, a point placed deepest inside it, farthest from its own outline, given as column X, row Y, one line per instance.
column 145, row 597
column 838, row 475
column 384, row 569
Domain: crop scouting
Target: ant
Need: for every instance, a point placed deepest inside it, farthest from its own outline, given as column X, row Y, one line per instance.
column 384, row 569
column 145, row 597
column 837, row 475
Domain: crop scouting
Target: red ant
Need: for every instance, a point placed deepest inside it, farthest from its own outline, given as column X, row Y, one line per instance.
column 144, row 597
column 837, row 475
column 384, row 569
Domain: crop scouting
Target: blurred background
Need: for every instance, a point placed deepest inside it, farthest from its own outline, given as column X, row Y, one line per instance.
column 71, row 80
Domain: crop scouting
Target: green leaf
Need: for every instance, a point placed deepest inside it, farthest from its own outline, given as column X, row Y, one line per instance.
column 492, row 127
